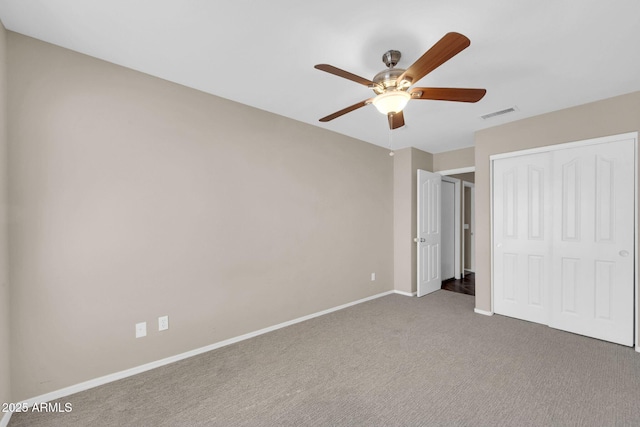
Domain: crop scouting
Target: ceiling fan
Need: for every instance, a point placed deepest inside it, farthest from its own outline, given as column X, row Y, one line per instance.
column 392, row 86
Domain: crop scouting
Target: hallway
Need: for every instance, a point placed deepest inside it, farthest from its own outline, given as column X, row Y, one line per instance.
column 466, row 285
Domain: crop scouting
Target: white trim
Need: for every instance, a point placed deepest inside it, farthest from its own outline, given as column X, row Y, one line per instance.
column 457, row 171
column 458, row 229
column 406, row 294
column 635, row 239
column 4, row 422
column 463, row 250
column 457, row 219
column 564, row 146
column 472, row 225
column 483, row 312
column 491, row 254
column 57, row 394
column 638, row 348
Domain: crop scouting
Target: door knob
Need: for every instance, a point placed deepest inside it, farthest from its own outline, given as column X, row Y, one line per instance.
column 419, row 240
column 624, row 253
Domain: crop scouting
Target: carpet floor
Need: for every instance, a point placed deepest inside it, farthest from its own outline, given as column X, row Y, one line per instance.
column 393, row 361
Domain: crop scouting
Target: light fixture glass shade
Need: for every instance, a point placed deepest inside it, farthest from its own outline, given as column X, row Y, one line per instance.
column 391, row 102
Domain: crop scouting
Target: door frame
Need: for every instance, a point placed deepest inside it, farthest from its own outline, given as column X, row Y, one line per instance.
column 458, row 208
column 562, row 146
column 457, row 218
column 472, row 228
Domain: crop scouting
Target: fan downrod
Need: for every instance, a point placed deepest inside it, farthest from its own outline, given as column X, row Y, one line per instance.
column 391, row 58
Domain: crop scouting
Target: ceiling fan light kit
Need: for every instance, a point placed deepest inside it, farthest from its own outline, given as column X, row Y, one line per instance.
column 392, row 85
column 391, row 102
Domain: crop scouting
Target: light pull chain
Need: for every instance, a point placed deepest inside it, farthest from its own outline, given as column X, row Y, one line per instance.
column 391, row 153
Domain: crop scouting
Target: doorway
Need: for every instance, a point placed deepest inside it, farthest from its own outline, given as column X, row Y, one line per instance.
column 451, row 241
column 463, row 279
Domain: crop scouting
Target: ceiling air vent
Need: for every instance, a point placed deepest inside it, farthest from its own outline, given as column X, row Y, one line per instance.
column 500, row 113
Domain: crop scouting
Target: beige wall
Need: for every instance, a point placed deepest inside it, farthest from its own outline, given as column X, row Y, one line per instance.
column 456, row 159
column 406, row 164
column 607, row 117
column 136, row 198
column 5, row 392
column 402, row 245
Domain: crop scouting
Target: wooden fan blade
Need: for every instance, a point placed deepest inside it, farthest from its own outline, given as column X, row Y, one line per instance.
column 447, row 47
column 448, row 94
column 345, row 110
column 342, row 73
column 396, row 120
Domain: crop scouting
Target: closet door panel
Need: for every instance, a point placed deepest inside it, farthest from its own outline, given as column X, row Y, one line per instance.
column 521, row 215
column 592, row 290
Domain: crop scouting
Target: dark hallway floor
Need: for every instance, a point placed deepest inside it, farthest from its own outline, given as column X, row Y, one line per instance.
column 466, row 285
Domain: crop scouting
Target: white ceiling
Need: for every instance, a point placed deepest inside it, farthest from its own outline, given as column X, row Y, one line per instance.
column 537, row 55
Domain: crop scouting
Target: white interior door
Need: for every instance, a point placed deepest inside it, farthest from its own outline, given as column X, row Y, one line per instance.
column 521, row 227
column 429, row 232
column 448, row 251
column 593, row 241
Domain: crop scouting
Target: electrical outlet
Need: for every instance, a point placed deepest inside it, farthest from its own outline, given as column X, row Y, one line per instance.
column 141, row 329
column 373, row 277
column 163, row 323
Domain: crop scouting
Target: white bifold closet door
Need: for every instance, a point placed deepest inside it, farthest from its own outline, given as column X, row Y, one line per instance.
column 564, row 239
column 522, row 232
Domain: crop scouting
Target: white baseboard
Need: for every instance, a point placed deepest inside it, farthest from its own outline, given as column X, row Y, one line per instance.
column 4, row 422
column 637, row 349
column 485, row 313
column 57, row 394
column 406, row 294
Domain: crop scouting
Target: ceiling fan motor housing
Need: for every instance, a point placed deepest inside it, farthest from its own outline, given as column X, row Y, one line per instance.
column 387, row 80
